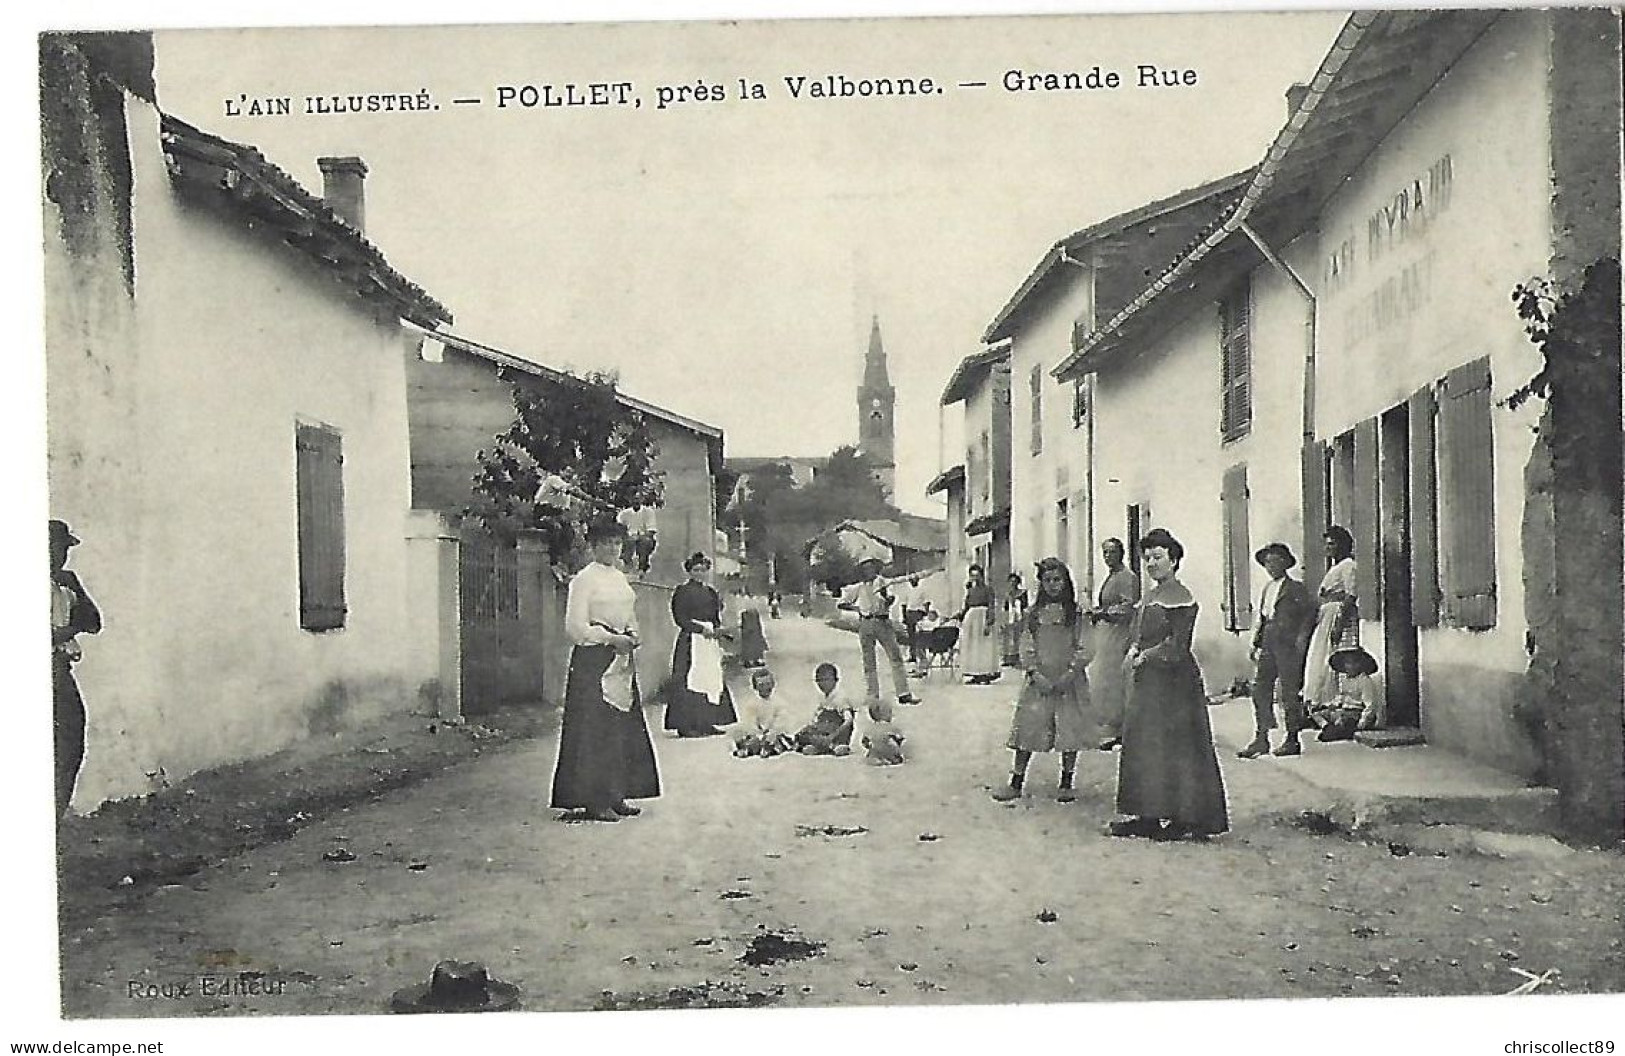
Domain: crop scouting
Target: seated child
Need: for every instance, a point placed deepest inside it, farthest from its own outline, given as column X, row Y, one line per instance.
column 830, row 732
column 762, row 730
column 1357, row 705
column 883, row 740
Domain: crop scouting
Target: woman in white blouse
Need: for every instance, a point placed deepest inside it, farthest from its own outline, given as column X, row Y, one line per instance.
column 1338, row 625
column 605, row 756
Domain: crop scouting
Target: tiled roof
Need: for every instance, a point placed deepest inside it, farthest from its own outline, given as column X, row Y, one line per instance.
column 971, row 370
column 1151, row 225
column 946, row 479
column 240, row 175
column 908, row 532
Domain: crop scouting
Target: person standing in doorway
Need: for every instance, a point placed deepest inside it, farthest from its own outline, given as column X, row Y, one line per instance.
column 870, row 597
column 1015, row 617
column 1286, row 616
column 1112, row 616
column 72, row 614
column 1338, row 624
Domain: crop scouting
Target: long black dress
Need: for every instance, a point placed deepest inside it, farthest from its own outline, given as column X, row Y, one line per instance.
column 687, row 712
column 1168, row 768
column 605, row 755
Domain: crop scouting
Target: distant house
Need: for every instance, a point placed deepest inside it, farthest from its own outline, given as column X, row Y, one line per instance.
column 227, row 431
column 906, row 543
column 981, row 383
column 460, row 397
column 950, row 484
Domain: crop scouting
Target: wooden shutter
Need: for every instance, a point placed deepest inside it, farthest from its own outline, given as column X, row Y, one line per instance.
column 1316, row 490
column 1035, row 382
column 1238, row 604
column 1424, row 511
column 1466, row 496
column 319, row 465
column 1235, row 363
column 1363, row 519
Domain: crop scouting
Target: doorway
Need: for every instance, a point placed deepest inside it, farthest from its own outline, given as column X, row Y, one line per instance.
column 1401, row 679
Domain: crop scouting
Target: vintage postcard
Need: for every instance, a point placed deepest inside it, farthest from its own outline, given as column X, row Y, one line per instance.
column 1068, row 512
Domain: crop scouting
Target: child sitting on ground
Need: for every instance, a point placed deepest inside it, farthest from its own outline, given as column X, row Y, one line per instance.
column 830, row 732
column 1357, row 706
column 883, row 740
column 763, row 730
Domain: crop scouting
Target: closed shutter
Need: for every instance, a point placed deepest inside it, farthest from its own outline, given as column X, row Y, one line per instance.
column 1238, row 605
column 1035, row 383
column 1235, row 363
column 1424, row 512
column 1363, row 518
column 1466, row 493
column 1315, row 523
column 320, row 497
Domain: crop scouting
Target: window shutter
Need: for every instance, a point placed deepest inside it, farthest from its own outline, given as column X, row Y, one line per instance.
column 1315, row 494
column 1238, row 605
column 320, row 497
column 1235, row 363
column 1467, row 507
column 1424, row 512
column 1035, row 382
column 1363, row 519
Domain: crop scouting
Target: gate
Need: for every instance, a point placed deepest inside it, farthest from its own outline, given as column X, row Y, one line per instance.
column 488, row 585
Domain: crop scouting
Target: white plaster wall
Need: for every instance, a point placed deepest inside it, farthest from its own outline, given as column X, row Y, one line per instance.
column 1157, row 444
column 236, row 339
column 1489, row 115
column 1038, row 482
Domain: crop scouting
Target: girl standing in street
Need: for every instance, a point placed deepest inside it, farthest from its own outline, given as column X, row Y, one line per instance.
column 1052, row 713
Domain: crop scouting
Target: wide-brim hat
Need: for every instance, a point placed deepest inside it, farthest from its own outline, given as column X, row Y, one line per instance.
column 1353, row 660
column 457, row 986
column 60, row 533
column 1282, row 549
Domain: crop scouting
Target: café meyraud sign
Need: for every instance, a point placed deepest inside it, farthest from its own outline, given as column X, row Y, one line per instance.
column 1368, row 270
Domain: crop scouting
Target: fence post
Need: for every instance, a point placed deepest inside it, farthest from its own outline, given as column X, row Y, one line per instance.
column 434, row 612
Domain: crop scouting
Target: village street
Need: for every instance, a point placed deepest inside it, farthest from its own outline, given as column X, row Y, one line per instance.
column 823, row 881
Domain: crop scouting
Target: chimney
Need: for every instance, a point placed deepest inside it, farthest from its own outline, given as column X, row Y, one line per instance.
column 1294, row 99
column 343, row 189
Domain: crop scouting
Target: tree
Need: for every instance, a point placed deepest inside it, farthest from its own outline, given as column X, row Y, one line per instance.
column 832, row 564
column 573, row 453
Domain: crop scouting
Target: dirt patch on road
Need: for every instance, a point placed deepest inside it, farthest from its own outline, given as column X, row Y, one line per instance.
column 131, row 847
column 772, row 947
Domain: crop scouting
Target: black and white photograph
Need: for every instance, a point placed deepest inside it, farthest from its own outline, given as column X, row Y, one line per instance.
column 850, row 529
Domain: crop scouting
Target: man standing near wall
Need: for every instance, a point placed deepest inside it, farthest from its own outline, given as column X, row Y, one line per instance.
column 1286, row 619
column 639, row 522
column 72, row 613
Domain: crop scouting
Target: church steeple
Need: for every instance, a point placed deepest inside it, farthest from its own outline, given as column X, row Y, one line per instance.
column 875, row 399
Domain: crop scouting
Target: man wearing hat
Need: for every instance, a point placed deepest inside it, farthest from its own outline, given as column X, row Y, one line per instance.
column 870, row 597
column 1286, row 618
column 72, row 613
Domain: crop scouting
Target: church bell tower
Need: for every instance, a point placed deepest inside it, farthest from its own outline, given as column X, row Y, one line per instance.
column 875, row 427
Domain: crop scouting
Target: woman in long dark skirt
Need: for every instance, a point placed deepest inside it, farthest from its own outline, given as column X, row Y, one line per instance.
column 1168, row 780
column 605, row 756
column 697, row 700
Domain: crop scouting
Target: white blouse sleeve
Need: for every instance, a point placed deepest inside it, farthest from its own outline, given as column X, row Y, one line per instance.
column 578, row 611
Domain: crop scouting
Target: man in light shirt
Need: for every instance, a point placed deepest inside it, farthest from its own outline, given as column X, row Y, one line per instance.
column 639, row 522
column 1286, row 618
column 871, row 598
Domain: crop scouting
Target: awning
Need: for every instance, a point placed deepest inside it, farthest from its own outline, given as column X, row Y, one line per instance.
column 990, row 522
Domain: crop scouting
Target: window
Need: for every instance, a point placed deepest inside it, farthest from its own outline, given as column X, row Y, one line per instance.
column 1235, row 363
column 1035, row 385
column 319, row 465
column 1238, row 602
column 1424, row 510
column 1063, row 529
column 1466, row 487
column 1080, row 404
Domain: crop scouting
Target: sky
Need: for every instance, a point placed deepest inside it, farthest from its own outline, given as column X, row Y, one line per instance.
column 726, row 257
